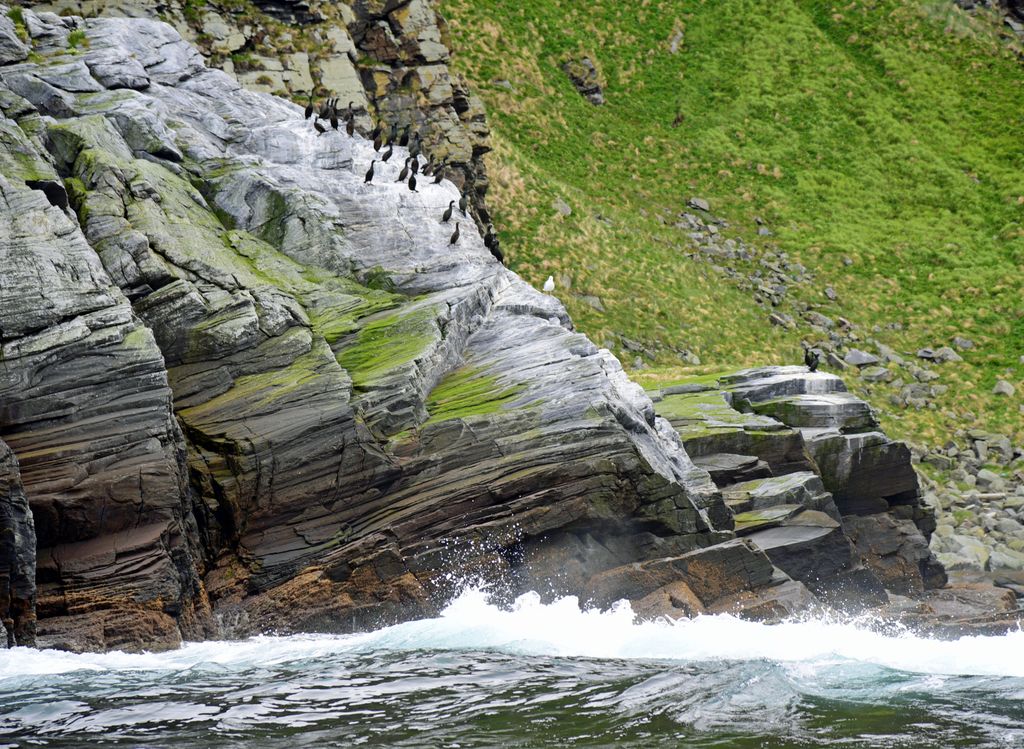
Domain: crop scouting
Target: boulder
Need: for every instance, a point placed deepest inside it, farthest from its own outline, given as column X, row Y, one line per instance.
column 1002, row 387
column 858, row 358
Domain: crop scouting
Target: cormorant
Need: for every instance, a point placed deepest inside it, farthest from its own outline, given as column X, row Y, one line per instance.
column 377, row 143
column 320, row 129
column 325, row 109
column 455, row 235
column 439, row 175
column 404, row 140
column 412, row 183
column 350, row 120
column 334, row 114
column 492, row 245
column 369, row 173
column 415, row 164
column 404, row 173
column 811, row 359
column 387, row 154
column 428, row 169
column 309, row 107
column 463, row 202
column 446, row 216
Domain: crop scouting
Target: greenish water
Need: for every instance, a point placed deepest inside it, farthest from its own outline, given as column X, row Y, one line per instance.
column 536, row 675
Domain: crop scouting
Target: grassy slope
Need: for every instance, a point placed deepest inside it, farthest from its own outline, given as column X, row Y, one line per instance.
column 886, row 131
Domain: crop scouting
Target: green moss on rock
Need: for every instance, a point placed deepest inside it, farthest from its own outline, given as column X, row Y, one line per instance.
column 468, row 392
column 385, row 342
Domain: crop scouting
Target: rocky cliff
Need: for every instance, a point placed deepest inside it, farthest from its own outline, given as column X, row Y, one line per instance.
column 389, row 58
column 246, row 389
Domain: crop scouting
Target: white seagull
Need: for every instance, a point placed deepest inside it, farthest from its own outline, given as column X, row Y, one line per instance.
column 549, row 285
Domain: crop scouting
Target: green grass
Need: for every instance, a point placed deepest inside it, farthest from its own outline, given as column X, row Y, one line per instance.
column 884, row 131
column 77, row 39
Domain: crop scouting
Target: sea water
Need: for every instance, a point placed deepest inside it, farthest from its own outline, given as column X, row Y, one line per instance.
column 534, row 674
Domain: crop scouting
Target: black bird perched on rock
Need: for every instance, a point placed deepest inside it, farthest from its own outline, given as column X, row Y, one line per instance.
column 439, row 175
column 463, row 202
column 377, row 143
column 455, row 235
column 412, row 183
column 309, row 107
column 428, row 168
column 415, row 146
column 404, row 173
column 415, row 164
column 369, row 172
column 334, row 114
column 404, row 140
column 325, row 110
column 350, row 120
column 495, row 249
column 387, row 154
column 811, row 359
column 491, row 243
column 320, row 129
column 446, row 216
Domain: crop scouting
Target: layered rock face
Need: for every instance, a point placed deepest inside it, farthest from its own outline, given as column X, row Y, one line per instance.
column 249, row 390
column 235, row 372
column 388, row 58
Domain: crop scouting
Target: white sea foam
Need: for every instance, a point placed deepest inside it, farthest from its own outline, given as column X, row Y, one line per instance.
column 563, row 629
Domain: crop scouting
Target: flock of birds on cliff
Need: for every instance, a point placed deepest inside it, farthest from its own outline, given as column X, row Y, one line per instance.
column 328, row 113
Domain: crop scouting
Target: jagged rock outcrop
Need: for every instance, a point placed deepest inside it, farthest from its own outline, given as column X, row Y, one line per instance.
column 388, row 57
column 811, row 479
column 249, row 390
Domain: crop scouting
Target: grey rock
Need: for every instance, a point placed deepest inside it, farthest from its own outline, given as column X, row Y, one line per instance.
column 11, row 47
column 562, row 207
column 962, row 343
column 877, row 374
column 859, row 358
column 689, row 358
column 1002, row 387
column 988, row 479
column 946, row 354
column 820, row 320
column 700, row 204
column 841, row 411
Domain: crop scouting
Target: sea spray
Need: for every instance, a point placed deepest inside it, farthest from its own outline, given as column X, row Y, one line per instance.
column 562, row 628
